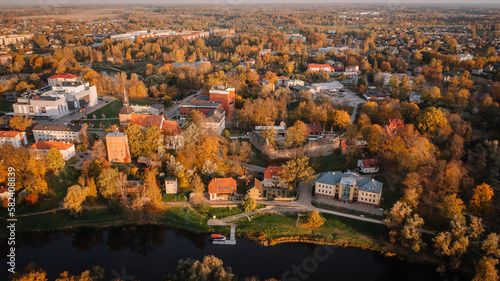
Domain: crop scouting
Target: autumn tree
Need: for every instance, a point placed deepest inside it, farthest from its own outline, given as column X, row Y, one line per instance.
column 297, row 170
column 20, row 123
column 297, row 134
column 107, row 182
column 198, row 189
column 210, row 269
column 340, row 120
column 430, row 119
column 315, row 220
column 151, row 189
column 412, row 190
column 450, row 206
column 248, row 204
column 55, row 158
column 74, row 199
column 480, row 203
column 99, row 151
column 30, row 273
column 403, row 226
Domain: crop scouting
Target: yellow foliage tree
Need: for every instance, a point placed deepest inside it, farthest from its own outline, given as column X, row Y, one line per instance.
column 480, row 202
column 315, row 220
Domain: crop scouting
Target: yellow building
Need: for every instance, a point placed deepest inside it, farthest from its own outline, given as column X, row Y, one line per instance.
column 349, row 188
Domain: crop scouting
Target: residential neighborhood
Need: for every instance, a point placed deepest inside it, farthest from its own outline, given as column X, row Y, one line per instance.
column 132, row 134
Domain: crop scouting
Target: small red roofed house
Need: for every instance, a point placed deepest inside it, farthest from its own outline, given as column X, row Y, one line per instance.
column 222, row 188
column 367, row 166
column 67, row 149
column 395, row 126
column 348, row 146
column 273, row 184
column 320, row 68
column 314, row 129
column 14, row 138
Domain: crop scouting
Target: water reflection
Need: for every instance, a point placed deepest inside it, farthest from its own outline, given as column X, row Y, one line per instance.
column 142, row 240
column 86, row 239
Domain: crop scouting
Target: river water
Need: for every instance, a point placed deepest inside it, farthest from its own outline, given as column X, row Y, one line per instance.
column 150, row 252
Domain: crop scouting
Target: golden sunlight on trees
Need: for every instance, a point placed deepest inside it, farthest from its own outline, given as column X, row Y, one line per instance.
column 315, row 220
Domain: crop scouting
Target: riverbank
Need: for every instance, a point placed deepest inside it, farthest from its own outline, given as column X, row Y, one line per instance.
column 266, row 229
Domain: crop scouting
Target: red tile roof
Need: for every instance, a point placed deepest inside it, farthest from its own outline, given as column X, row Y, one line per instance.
column 272, row 171
column 394, row 126
column 64, row 75
column 314, row 129
column 171, row 127
column 222, row 185
column 11, row 134
column 146, row 120
column 316, row 65
column 369, row 163
column 60, row 145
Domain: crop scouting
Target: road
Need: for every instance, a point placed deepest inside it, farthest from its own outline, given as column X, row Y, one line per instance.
column 353, row 115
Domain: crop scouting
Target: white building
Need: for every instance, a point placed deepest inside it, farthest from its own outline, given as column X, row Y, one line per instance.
column 216, row 120
column 67, row 149
column 368, row 166
column 57, row 101
column 58, row 79
column 287, row 83
column 171, row 185
column 329, row 86
column 464, row 57
column 296, row 38
column 59, row 133
column 14, row 138
column 415, row 98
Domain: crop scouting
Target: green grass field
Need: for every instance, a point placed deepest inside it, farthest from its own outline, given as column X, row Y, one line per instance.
column 329, row 163
column 111, row 109
column 6, row 105
column 275, row 226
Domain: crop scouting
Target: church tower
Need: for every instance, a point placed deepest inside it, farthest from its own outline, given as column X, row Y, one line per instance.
column 126, row 111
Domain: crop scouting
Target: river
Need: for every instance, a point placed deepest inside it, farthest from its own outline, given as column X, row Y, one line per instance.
column 150, row 252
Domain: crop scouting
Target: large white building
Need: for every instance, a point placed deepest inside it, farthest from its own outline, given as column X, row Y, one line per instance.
column 349, row 188
column 14, row 138
column 55, row 132
column 67, row 149
column 57, row 101
column 328, row 86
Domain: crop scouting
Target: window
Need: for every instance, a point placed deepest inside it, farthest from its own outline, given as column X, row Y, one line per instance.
column 43, row 110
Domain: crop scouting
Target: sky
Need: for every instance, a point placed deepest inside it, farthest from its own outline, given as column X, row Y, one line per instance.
column 35, row 3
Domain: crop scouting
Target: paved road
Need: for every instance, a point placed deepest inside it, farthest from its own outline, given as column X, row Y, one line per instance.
column 353, row 116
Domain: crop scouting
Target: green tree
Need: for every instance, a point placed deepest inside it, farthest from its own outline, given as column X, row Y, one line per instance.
column 248, row 204
column 55, row 158
column 315, row 220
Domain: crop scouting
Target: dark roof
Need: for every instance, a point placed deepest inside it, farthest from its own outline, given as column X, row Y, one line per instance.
column 57, row 128
column 254, row 183
column 126, row 110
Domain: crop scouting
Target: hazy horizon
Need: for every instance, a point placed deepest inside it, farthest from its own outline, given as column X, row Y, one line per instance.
column 65, row 3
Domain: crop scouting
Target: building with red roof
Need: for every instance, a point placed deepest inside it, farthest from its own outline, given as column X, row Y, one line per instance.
column 314, row 129
column 67, row 149
column 395, row 126
column 14, row 138
column 222, row 188
column 60, row 78
column 274, row 186
column 348, row 146
column 367, row 166
column 320, row 68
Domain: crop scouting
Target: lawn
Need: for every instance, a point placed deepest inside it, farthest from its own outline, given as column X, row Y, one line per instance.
column 174, row 198
column 258, row 158
column 6, row 105
column 107, row 123
column 329, row 163
column 63, row 220
column 111, row 109
column 188, row 219
column 390, row 193
column 335, row 229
